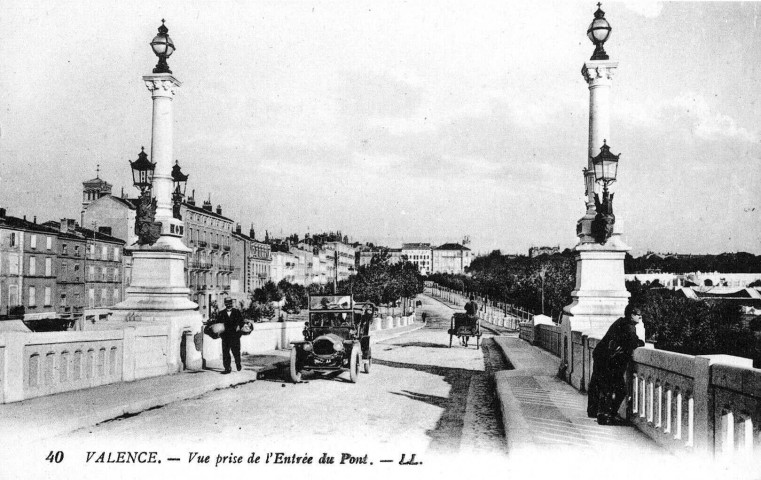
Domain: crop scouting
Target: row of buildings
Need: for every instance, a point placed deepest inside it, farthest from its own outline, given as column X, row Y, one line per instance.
column 58, row 270
column 75, row 270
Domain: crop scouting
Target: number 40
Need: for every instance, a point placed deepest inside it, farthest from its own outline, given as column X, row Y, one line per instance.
column 56, row 457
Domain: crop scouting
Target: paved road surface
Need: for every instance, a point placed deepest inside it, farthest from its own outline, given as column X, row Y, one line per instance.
column 420, row 397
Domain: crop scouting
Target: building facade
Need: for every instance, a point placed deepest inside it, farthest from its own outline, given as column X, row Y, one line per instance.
column 252, row 261
column 208, row 268
column 283, row 266
column 341, row 257
column 11, row 273
column 38, row 265
column 419, row 254
column 450, row 258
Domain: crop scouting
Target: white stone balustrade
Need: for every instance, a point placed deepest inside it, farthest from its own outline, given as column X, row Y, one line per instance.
column 37, row 364
column 686, row 403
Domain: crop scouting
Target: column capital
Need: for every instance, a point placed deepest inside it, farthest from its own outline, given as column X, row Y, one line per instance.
column 599, row 72
column 161, row 84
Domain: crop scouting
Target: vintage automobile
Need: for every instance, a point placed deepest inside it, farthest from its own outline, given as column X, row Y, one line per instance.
column 336, row 337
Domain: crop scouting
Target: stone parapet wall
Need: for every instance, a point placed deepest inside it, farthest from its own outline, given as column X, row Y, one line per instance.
column 686, row 403
column 38, row 364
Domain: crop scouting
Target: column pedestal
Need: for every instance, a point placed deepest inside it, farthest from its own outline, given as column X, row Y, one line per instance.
column 598, row 300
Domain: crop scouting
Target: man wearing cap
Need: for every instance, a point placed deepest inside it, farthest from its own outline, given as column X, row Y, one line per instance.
column 233, row 321
column 607, row 387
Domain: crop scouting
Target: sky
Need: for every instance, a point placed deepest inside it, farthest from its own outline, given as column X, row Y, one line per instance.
column 397, row 121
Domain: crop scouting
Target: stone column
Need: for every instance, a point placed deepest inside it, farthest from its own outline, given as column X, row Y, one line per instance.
column 600, row 294
column 158, row 293
column 598, row 74
column 162, row 87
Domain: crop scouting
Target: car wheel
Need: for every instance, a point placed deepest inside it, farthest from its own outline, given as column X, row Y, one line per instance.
column 295, row 373
column 356, row 357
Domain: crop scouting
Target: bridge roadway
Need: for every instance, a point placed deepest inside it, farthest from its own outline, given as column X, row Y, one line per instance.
column 442, row 404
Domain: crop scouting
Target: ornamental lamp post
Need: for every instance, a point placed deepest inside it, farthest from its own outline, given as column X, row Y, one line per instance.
column 180, row 182
column 598, row 33
column 163, row 47
column 142, row 171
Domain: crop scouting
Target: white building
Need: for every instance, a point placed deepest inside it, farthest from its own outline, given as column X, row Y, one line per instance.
column 419, row 254
column 450, row 258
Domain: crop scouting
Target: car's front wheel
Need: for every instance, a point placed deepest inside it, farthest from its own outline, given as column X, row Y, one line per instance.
column 356, row 359
column 295, row 372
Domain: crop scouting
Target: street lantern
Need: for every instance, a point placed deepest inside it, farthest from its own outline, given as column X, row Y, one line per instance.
column 180, row 181
column 598, row 33
column 142, row 171
column 606, row 166
column 163, row 47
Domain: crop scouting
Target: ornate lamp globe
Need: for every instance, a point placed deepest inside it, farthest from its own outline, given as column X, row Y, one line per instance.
column 163, row 47
column 142, row 171
column 598, row 33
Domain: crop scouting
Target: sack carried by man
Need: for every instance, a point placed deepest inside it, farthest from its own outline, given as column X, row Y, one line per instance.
column 247, row 328
column 214, row 330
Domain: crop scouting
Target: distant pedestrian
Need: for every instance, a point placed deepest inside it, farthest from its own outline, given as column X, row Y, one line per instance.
column 233, row 321
column 423, row 316
column 607, row 387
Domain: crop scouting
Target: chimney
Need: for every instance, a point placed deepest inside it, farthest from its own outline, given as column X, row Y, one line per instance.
column 105, row 230
column 2, row 213
column 237, row 228
column 219, row 209
column 207, row 205
column 192, row 198
column 251, row 232
column 25, row 218
column 35, row 219
column 68, row 225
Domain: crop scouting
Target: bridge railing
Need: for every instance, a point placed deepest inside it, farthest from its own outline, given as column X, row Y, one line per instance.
column 686, row 403
column 37, row 364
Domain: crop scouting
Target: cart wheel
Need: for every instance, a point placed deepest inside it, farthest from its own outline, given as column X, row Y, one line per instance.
column 356, row 358
column 478, row 342
column 450, row 340
column 295, row 373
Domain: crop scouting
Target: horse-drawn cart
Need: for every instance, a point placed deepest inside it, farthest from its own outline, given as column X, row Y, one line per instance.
column 464, row 326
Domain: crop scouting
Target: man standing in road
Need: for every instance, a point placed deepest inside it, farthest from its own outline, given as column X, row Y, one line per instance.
column 233, row 321
column 607, row 387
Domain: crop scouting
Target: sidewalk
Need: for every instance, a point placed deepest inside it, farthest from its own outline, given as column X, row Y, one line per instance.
column 540, row 411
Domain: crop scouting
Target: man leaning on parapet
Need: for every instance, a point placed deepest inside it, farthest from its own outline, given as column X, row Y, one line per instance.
column 607, row 387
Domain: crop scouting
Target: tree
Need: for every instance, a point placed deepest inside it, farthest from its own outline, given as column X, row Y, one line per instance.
column 261, row 306
column 295, row 296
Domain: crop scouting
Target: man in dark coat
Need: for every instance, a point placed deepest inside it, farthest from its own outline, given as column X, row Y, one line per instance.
column 471, row 309
column 607, row 387
column 233, row 321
